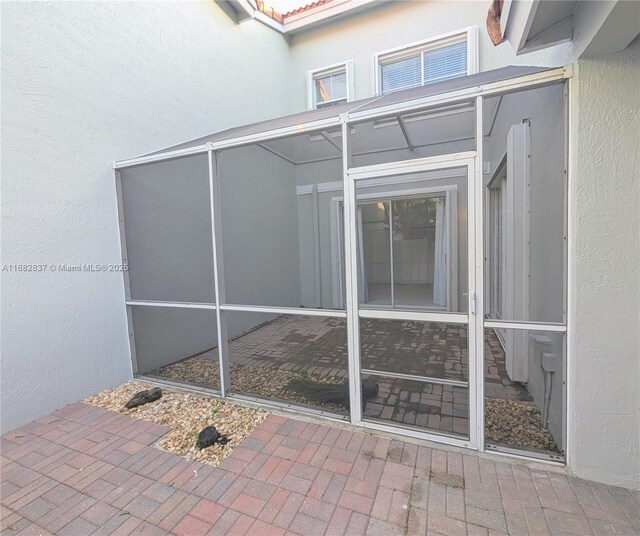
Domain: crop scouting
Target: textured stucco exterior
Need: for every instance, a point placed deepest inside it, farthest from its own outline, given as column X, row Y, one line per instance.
column 604, row 404
column 84, row 83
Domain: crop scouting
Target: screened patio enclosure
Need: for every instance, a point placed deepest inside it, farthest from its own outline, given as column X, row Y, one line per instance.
column 397, row 262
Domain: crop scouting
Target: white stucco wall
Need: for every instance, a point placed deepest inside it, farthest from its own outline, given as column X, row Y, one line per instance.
column 604, row 407
column 84, row 83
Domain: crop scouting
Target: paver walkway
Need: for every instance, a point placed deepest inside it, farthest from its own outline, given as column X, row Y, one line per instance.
column 83, row 470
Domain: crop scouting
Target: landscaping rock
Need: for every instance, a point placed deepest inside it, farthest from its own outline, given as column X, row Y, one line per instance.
column 144, row 397
column 185, row 414
column 369, row 389
column 210, row 436
column 263, row 382
column 517, row 423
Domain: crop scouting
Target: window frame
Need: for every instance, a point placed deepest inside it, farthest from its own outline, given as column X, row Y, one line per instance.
column 498, row 214
column 334, row 68
column 469, row 34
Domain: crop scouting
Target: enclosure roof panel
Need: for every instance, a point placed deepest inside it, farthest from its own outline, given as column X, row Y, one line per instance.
column 303, row 119
column 300, row 118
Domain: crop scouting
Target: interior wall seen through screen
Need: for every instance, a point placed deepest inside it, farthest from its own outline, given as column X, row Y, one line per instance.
column 293, row 359
column 525, row 206
column 412, row 241
column 167, row 219
column 177, row 344
column 277, row 222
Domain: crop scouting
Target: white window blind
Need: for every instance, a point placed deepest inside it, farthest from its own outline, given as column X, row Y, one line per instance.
column 330, row 88
column 422, row 65
column 445, row 63
column 401, row 74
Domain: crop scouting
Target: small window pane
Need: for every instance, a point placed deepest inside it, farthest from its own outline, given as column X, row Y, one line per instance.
column 374, row 254
column 331, row 88
column 445, row 63
column 401, row 74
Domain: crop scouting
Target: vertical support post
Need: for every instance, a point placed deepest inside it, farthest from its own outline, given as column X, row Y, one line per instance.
column 125, row 273
column 351, row 278
column 218, row 271
column 391, row 270
column 315, row 214
column 571, row 121
column 478, row 318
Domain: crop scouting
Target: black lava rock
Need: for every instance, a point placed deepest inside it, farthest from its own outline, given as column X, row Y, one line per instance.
column 369, row 389
column 144, row 397
column 210, row 436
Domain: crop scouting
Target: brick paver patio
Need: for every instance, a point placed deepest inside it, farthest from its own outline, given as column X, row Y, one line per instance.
column 83, row 470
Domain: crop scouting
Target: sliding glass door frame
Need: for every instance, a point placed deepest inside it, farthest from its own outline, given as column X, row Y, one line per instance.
column 448, row 192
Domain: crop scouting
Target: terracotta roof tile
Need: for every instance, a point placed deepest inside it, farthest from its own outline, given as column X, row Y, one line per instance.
column 280, row 17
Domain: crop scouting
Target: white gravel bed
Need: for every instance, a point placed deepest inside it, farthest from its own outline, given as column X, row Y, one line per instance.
column 518, row 424
column 186, row 415
column 261, row 382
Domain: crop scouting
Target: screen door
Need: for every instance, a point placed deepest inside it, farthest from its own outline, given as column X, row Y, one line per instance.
column 412, row 283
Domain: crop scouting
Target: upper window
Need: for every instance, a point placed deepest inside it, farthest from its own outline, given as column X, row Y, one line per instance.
column 329, row 85
column 426, row 62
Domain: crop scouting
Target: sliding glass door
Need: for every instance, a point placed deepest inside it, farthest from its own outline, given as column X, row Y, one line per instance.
column 404, row 252
column 407, row 249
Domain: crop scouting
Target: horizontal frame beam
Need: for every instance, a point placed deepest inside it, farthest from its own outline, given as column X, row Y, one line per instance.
column 415, row 165
column 530, row 326
column 415, row 378
column 525, row 454
column 186, row 386
column 301, row 311
column 399, row 429
column 284, row 132
column 419, row 316
column 290, row 406
column 152, row 158
column 176, row 305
